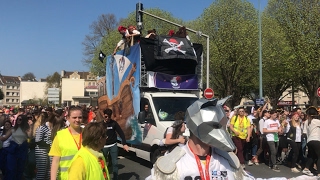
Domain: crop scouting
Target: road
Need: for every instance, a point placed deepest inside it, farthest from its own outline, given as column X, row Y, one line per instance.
column 133, row 168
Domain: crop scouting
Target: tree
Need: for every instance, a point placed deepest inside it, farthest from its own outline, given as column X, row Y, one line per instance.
column 277, row 58
column 300, row 21
column 99, row 29
column 53, row 81
column 28, row 77
column 233, row 31
column 1, row 94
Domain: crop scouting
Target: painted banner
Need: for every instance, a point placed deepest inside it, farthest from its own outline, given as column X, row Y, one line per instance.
column 166, row 81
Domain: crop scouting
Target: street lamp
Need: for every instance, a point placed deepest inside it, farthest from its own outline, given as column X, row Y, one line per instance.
column 260, row 53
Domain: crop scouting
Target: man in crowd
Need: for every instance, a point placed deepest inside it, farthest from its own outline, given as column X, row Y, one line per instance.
column 272, row 128
column 240, row 127
column 113, row 128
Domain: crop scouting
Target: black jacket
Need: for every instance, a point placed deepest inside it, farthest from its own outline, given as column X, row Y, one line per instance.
column 113, row 128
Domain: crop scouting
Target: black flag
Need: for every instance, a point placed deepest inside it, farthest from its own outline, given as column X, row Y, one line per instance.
column 101, row 56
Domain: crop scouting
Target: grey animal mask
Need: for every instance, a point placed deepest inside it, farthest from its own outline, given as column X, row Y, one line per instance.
column 207, row 120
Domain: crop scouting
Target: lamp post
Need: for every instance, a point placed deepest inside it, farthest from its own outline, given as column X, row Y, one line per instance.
column 260, row 53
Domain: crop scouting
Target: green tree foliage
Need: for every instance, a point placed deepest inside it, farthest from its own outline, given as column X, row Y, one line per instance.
column 28, row 77
column 232, row 27
column 277, row 58
column 300, row 21
column 109, row 41
column 1, row 94
column 54, row 80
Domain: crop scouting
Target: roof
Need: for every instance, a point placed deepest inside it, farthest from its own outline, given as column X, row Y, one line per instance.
column 83, row 74
column 9, row 79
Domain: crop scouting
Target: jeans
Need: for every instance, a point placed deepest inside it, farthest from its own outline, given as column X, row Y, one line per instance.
column 254, row 150
column 114, row 159
column 294, row 153
column 239, row 143
column 313, row 154
column 273, row 147
column 16, row 160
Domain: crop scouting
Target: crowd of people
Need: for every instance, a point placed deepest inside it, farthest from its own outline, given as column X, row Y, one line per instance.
column 46, row 143
column 276, row 137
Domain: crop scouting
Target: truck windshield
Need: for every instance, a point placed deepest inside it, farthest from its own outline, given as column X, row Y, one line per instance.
column 167, row 107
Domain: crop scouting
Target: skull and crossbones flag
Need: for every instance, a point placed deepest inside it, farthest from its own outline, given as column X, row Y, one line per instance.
column 170, row 55
column 174, row 47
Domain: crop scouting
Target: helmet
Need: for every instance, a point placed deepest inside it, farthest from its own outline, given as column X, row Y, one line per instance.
column 207, row 120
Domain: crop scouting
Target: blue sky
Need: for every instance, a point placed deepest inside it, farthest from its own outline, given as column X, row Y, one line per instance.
column 45, row 36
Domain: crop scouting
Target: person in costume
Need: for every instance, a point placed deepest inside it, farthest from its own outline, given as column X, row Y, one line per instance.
column 208, row 154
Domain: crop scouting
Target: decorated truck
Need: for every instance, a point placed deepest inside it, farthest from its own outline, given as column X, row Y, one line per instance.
column 146, row 84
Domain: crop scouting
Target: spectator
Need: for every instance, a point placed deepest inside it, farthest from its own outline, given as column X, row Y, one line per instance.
column 5, row 148
column 313, row 140
column 173, row 134
column 66, row 144
column 294, row 139
column 18, row 148
column 89, row 162
column 3, row 118
column 43, row 141
column 271, row 128
column 113, row 128
column 241, row 131
column 255, row 135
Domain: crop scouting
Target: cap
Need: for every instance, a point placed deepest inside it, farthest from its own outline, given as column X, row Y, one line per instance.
column 206, row 120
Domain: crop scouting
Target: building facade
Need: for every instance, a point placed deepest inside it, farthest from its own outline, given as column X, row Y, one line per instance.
column 78, row 88
column 32, row 90
column 10, row 86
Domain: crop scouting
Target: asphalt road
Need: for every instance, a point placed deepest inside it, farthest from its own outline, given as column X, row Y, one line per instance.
column 133, row 168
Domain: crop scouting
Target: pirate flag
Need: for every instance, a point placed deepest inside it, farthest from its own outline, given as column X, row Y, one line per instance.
column 101, row 56
column 170, row 55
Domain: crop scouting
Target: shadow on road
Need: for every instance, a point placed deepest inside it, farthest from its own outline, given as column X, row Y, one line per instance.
column 129, row 175
column 132, row 156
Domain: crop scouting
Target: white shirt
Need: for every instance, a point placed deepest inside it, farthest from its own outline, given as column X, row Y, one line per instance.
column 261, row 123
column 313, row 130
column 271, row 125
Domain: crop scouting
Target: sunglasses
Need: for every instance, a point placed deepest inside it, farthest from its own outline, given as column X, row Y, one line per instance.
column 29, row 117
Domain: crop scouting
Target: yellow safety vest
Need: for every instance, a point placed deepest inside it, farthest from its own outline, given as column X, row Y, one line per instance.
column 243, row 131
column 92, row 166
column 68, row 149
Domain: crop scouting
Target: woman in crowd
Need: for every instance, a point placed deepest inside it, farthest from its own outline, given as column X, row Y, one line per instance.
column 294, row 139
column 39, row 120
column 89, row 162
column 66, row 144
column 312, row 129
column 29, row 172
column 5, row 146
column 43, row 141
column 18, row 148
column 173, row 135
